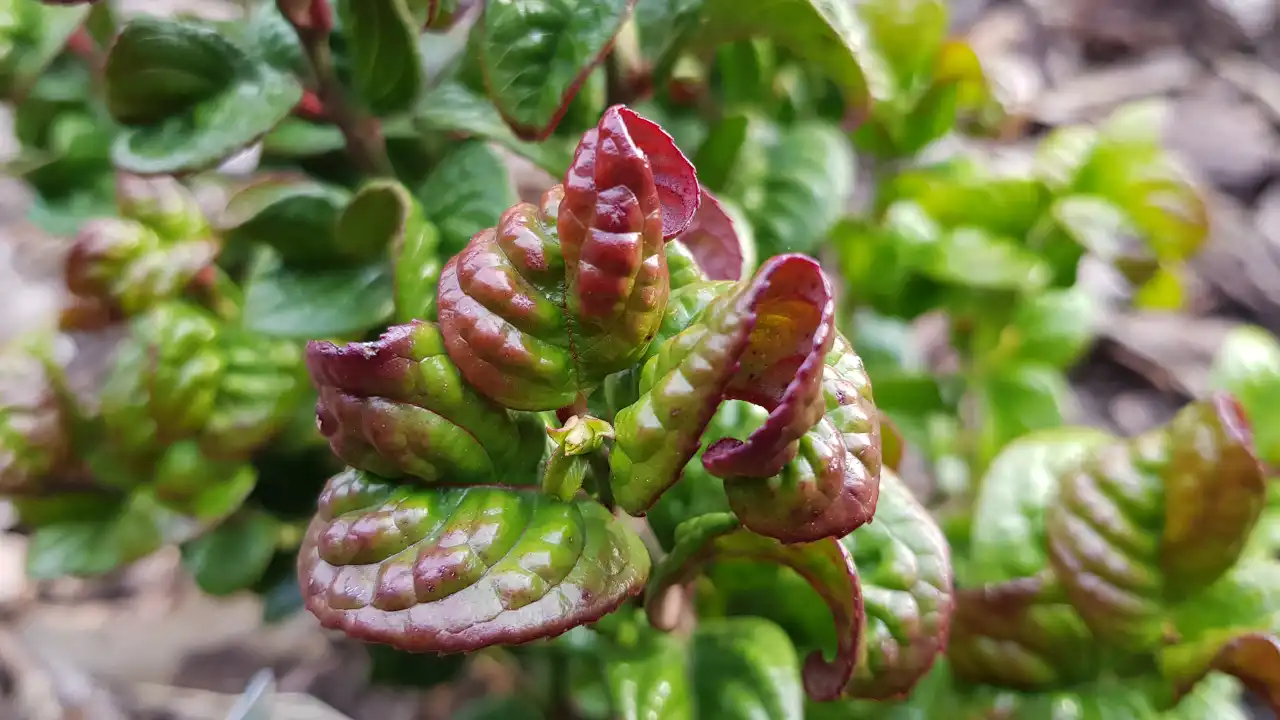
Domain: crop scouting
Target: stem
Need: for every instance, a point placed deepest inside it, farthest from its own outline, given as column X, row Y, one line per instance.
column 362, row 133
column 600, row 469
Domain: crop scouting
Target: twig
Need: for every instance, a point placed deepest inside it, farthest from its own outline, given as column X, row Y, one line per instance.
column 312, row 20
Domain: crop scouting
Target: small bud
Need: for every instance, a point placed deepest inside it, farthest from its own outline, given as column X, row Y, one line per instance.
column 102, row 247
column 581, row 435
column 162, row 204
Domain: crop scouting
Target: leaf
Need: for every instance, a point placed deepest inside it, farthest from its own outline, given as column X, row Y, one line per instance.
column 451, row 107
column 831, row 35
column 811, row 469
column 1248, row 366
column 1155, row 520
column 720, row 239
column 37, row 35
column 1230, row 628
column 295, row 217
column 188, row 97
column 1021, row 634
column 1019, row 399
column 808, row 182
column 399, row 406
column 536, row 54
column 1163, row 291
column 466, row 193
column 734, row 668
column 382, row 48
column 532, row 322
column 234, row 555
column 825, row 564
column 1008, row 537
column 286, row 302
column 905, row 591
column 660, row 25
column 1055, row 327
column 457, row 569
column 973, row 258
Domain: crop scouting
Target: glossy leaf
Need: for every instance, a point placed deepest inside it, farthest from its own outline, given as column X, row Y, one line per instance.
column 808, row 181
column 292, row 303
column 234, row 555
column 1231, row 628
column 825, row 564
column 453, row 108
column 735, row 668
column 181, row 374
column 1155, row 519
column 1055, row 327
column 1248, row 366
column 811, row 469
column 457, row 569
column 465, row 193
column 382, row 46
column 399, row 406
column 660, row 25
column 533, row 75
column 558, row 296
column 1008, row 538
column 296, row 218
column 720, row 239
column 188, row 97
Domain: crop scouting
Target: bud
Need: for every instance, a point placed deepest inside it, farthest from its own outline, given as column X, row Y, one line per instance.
column 102, row 249
column 581, row 435
column 162, row 204
column 33, row 437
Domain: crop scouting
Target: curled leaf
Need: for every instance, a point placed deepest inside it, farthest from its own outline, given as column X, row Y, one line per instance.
column 450, row 570
column 826, row 565
column 1156, row 519
column 811, row 469
column 399, row 406
column 717, row 241
column 560, row 295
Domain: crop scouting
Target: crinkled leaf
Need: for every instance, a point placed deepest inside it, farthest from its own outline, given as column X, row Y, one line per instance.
column 536, row 54
column 452, row 107
column 1020, row 634
column 736, row 668
column 811, row 469
column 825, row 564
column 720, row 239
column 1155, row 519
column 1008, row 537
column 457, row 569
column 296, row 218
column 465, row 193
column 289, row 302
column 399, row 406
column 1248, row 366
column 558, row 296
column 382, row 51
column 1230, row 628
column 808, row 181
column 188, row 97
column 905, row 591
column 234, row 555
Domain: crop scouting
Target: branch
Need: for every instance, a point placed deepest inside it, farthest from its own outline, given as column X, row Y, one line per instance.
column 313, row 21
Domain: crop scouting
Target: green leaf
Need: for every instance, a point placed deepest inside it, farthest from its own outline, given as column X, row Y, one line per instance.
column 31, row 36
column 234, row 555
column 285, row 302
column 1164, row 291
column 1008, row 537
column 382, row 50
column 1055, row 327
column 535, row 54
column 1019, row 399
column 827, row 33
column 296, row 218
column 973, row 258
column 809, row 179
column 457, row 569
column 1152, row 521
column 737, row 668
column 964, row 194
column 466, row 193
column 660, row 25
column 453, row 108
column 1248, row 366
column 189, row 98
column 907, row 35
